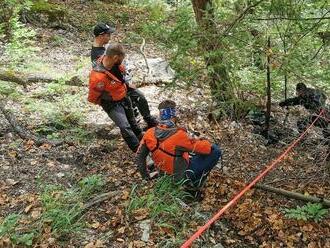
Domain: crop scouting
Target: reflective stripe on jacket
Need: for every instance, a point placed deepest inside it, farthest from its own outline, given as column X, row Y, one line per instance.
column 101, row 81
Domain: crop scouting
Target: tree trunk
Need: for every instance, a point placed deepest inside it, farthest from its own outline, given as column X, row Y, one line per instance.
column 219, row 79
column 269, row 88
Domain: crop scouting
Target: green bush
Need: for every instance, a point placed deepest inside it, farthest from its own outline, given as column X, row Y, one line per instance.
column 310, row 211
column 21, row 39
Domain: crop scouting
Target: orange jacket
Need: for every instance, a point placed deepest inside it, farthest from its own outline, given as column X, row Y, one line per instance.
column 169, row 148
column 101, row 81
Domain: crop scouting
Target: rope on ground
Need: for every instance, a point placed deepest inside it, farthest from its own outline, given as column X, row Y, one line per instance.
column 202, row 229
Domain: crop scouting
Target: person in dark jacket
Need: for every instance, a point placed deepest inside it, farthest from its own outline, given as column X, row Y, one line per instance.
column 102, row 34
column 314, row 101
column 110, row 91
column 170, row 146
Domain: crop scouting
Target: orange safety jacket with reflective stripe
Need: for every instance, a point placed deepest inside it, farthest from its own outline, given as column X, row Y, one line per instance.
column 102, row 81
column 169, row 148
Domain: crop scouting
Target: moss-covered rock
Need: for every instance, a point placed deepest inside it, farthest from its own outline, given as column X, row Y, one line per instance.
column 45, row 12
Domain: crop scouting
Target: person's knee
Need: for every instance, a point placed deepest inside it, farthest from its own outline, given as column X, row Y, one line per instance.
column 216, row 151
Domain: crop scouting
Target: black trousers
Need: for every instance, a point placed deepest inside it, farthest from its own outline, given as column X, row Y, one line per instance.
column 121, row 113
column 139, row 100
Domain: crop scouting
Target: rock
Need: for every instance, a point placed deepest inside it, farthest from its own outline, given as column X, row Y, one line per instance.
column 9, row 137
column 65, row 166
column 225, row 170
column 60, row 174
column 11, row 182
column 160, row 71
column 219, row 165
column 234, row 125
column 146, row 227
column 218, row 246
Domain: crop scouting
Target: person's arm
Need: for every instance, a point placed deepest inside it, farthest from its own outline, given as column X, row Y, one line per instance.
column 189, row 144
column 100, row 87
column 291, row 102
column 141, row 157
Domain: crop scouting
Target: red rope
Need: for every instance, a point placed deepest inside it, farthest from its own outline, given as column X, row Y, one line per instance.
column 248, row 187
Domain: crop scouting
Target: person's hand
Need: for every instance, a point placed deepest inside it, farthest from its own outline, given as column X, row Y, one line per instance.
column 132, row 86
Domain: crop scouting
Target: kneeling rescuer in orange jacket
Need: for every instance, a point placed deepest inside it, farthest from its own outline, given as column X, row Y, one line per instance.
column 170, row 145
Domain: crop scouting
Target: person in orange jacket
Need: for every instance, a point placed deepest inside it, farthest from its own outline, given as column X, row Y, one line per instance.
column 102, row 33
column 110, row 92
column 170, row 146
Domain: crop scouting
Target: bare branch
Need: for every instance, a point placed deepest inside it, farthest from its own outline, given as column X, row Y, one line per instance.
column 290, row 19
column 241, row 17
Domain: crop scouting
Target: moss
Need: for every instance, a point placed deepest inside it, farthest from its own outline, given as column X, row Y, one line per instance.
column 54, row 12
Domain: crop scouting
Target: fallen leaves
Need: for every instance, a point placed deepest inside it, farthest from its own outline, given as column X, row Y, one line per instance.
column 141, row 214
column 95, row 244
column 95, row 225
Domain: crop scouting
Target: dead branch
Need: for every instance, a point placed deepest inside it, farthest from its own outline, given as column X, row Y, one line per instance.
column 290, row 19
column 293, row 195
column 10, row 77
column 141, row 50
column 24, row 80
column 24, row 134
column 98, row 199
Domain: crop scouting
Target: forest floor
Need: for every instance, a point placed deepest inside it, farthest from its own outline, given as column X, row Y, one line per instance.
column 49, row 187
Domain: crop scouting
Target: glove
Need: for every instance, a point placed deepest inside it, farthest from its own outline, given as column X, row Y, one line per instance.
column 282, row 104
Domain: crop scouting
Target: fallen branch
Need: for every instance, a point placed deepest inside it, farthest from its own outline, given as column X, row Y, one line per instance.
column 293, row 195
column 98, row 199
column 24, row 80
column 24, row 134
column 10, row 77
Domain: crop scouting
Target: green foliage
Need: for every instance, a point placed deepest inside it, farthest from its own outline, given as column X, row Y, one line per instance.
column 8, row 224
column 61, row 210
column 310, row 211
column 232, row 58
column 156, row 8
column 62, row 118
column 57, row 40
column 91, row 184
column 7, row 229
column 163, row 203
column 7, row 88
column 54, row 12
column 23, row 239
column 21, row 37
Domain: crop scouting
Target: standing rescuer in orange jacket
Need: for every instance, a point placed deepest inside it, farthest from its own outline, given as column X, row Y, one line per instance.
column 110, row 92
column 170, row 146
